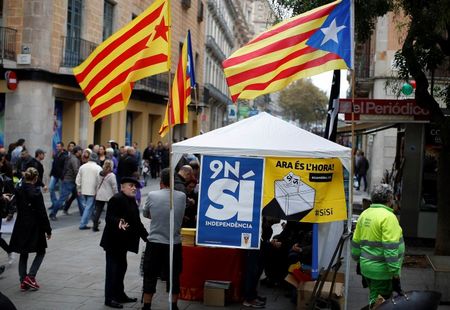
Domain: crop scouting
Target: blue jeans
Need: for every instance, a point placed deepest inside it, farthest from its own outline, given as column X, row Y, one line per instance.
column 87, row 202
column 66, row 189
column 51, row 188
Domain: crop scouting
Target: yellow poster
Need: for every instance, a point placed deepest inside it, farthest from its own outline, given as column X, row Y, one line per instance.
column 304, row 189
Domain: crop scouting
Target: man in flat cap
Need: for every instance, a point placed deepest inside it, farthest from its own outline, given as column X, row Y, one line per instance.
column 378, row 245
column 121, row 234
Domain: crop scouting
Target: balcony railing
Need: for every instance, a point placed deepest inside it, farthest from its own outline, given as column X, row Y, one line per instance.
column 217, row 94
column 8, row 43
column 75, row 51
column 155, row 83
column 215, row 49
column 364, row 63
column 364, row 66
column 218, row 15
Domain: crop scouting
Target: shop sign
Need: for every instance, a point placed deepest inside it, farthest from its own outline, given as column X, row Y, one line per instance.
column 383, row 110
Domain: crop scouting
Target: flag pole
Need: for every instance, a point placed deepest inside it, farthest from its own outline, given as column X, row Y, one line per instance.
column 352, row 157
column 172, row 181
column 196, row 111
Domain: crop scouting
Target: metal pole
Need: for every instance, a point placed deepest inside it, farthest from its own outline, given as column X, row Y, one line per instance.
column 172, row 181
column 196, row 111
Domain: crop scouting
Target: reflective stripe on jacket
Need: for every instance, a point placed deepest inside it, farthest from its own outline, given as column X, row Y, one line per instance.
column 378, row 243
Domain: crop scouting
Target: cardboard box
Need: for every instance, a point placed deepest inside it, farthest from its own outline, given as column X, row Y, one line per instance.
column 215, row 293
column 188, row 236
column 305, row 290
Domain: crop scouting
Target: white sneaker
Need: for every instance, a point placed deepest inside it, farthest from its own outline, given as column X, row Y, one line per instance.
column 11, row 258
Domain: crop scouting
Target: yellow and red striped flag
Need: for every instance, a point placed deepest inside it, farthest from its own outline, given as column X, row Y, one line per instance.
column 138, row 50
column 183, row 82
column 305, row 45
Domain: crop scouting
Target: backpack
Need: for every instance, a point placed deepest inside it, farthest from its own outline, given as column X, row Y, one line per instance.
column 4, row 210
column 6, row 186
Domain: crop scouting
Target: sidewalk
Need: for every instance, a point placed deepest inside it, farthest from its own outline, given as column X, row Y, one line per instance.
column 72, row 275
column 73, row 271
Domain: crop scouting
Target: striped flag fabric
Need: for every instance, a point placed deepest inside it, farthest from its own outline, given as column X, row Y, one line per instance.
column 138, row 50
column 183, row 82
column 305, row 45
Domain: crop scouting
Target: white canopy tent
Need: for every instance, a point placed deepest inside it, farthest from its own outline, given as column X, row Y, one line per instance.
column 264, row 135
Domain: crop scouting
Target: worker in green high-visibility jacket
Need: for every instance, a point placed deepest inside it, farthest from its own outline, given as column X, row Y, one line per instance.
column 378, row 244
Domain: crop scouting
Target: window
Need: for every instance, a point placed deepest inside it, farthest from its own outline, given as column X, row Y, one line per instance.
column 74, row 18
column 72, row 55
column 108, row 9
column 1, row 12
column 186, row 4
column 200, row 11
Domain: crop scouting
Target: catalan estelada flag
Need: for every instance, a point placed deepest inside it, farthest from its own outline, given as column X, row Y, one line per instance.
column 138, row 50
column 183, row 82
column 305, row 45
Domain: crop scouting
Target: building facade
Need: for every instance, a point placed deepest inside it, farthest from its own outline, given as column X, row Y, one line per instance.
column 220, row 42
column 400, row 152
column 44, row 40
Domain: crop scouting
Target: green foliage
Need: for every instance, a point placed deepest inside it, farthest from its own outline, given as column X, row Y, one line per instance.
column 302, row 100
column 364, row 23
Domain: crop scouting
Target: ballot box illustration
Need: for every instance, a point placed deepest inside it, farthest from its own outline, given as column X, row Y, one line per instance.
column 293, row 195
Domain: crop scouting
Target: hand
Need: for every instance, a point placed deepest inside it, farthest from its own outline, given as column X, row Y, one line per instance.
column 8, row 196
column 296, row 248
column 49, row 236
column 45, row 188
column 123, row 225
column 276, row 243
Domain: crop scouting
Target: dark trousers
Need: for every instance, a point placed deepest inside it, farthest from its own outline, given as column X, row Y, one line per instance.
column 359, row 177
column 252, row 274
column 23, row 260
column 116, row 267
column 156, row 263
column 99, row 205
column 3, row 243
column 69, row 201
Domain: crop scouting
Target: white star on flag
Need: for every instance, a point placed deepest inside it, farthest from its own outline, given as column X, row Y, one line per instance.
column 331, row 32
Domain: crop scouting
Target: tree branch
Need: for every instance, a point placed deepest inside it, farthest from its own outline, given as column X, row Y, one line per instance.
column 423, row 96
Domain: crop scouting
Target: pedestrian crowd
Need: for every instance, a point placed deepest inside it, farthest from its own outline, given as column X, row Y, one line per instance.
column 97, row 177
column 110, row 176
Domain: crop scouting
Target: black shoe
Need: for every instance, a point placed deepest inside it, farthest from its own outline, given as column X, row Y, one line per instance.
column 127, row 299
column 53, row 218
column 262, row 299
column 147, row 307
column 113, row 304
column 95, row 229
column 2, row 269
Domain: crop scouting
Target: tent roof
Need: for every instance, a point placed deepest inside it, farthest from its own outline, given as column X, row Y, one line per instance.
column 263, row 135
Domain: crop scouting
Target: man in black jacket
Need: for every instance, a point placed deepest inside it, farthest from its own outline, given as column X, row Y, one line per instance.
column 122, row 232
column 128, row 164
column 56, row 173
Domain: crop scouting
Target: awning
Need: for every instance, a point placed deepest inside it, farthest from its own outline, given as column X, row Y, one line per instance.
column 362, row 128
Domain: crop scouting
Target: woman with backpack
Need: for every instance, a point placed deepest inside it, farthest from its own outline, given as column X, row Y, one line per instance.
column 32, row 229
